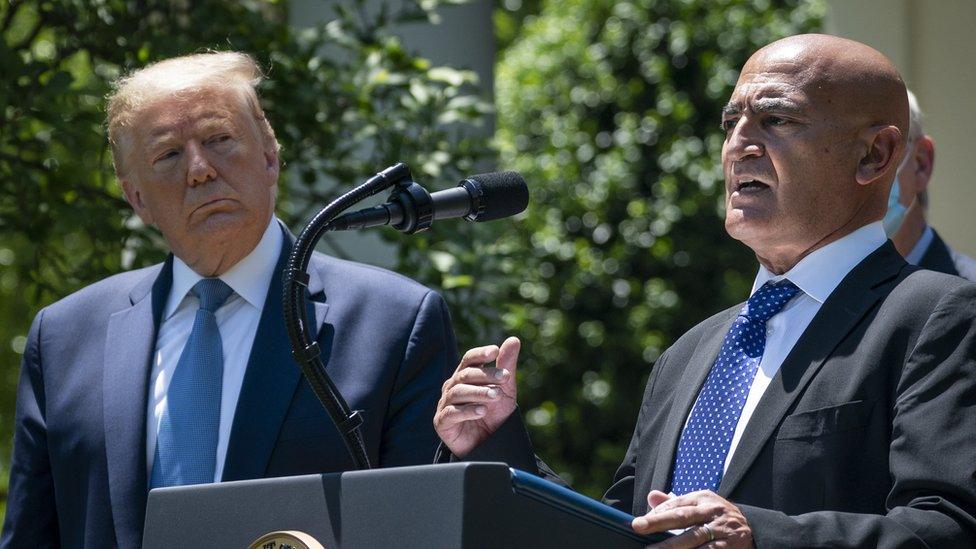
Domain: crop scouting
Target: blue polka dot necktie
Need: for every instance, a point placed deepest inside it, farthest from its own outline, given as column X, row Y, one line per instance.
column 705, row 442
column 186, row 447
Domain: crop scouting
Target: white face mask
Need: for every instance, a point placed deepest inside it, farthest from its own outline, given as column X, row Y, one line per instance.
column 896, row 210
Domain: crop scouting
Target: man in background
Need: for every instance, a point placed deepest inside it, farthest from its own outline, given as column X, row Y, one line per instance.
column 181, row 373
column 905, row 223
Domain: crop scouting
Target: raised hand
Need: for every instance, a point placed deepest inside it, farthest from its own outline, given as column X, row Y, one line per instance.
column 476, row 400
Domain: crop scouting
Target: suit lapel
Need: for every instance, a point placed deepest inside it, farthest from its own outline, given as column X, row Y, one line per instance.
column 837, row 317
column 129, row 342
column 270, row 379
column 692, row 379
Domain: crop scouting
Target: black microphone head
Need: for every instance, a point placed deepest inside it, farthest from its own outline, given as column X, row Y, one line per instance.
column 496, row 195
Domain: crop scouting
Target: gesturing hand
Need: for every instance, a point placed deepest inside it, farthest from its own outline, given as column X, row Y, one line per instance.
column 475, row 401
column 712, row 521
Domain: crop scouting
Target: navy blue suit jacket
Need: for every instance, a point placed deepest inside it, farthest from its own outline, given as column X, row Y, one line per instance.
column 78, row 473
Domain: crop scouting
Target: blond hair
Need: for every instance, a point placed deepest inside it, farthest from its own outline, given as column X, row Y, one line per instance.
column 219, row 70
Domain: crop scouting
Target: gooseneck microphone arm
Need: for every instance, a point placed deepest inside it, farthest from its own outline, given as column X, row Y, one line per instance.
column 305, row 349
column 410, row 209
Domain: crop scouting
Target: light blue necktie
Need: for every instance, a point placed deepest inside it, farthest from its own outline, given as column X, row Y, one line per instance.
column 705, row 442
column 186, row 447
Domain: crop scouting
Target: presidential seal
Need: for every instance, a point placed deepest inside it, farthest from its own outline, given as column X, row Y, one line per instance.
column 285, row 540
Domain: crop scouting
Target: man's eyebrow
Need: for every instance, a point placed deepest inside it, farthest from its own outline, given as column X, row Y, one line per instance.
column 731, row 109
column 216, row 121
column 776, row 104
column 162, row 132
column 159, row 138
column 764, row 105
column 208, row 123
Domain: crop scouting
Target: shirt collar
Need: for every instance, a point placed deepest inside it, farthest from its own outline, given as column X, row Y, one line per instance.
column 819, row 273
column 915, row 256
column 249, row 278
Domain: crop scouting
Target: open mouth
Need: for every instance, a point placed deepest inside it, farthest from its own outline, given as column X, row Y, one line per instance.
column 750, row 186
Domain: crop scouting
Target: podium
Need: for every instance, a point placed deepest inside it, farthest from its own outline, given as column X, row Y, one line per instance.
column 456, row 506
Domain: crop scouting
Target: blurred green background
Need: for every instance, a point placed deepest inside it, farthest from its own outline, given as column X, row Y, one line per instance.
column 610, row 110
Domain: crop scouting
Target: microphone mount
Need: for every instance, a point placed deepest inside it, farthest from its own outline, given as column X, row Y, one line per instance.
column 417, row 206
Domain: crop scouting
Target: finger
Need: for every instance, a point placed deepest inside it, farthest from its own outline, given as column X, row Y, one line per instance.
column 659, row 521
column 478, row 356
column 468, row 394
column 508, row 355
column 452, row 415
column 684, row 500
column 657, row 497
column 692, row 537
column 482, row 376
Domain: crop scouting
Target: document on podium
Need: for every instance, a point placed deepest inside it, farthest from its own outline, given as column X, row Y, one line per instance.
column 580, row 506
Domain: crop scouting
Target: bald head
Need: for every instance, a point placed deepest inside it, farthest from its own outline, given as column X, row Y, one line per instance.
column 814, row 131
column 857, row 80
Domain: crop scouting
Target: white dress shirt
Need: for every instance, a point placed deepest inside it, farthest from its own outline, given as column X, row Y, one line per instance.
column 237, row 320
column 915, row 256
column 817, row 275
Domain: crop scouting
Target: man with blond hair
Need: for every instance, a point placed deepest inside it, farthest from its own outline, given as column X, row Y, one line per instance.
column 181, row 373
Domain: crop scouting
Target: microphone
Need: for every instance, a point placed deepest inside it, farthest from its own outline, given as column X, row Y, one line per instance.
column 482, row 197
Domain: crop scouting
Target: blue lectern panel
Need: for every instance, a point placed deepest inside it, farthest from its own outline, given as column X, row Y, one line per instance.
column 568, row 501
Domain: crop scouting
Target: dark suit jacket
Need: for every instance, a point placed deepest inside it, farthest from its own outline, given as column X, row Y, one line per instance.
column 78, row 473
column 937, row 257
column 866, row 436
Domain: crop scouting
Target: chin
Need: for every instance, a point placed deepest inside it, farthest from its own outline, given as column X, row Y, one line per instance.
column 744, row 229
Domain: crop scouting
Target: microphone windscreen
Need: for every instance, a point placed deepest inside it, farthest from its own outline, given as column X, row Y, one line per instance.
column 504, row 194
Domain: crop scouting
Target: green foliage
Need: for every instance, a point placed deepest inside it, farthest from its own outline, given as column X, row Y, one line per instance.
column 345, row 98
column 509, row 16
column 611, row 110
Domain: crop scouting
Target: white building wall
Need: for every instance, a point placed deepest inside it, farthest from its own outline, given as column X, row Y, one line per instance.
column 933, row 43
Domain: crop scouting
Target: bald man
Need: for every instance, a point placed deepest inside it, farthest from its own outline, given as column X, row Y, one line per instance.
column 835, row 408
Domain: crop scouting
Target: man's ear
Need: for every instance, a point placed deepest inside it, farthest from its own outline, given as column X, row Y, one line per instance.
column 134, row 198
column 884, row 152
column 924, row 152
column 271, row 162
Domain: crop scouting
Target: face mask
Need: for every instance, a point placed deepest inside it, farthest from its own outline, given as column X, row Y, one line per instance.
column 896, row 211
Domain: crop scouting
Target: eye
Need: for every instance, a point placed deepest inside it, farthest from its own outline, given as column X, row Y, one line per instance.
column 166, row 155
column 219, row 138
column 728, row 124
column 775, row 121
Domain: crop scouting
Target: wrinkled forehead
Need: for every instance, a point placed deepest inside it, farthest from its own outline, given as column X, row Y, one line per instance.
column 188, row 108
column 781, row 79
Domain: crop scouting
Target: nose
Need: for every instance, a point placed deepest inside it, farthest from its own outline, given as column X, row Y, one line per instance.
column 199, row 169
column 743, row 141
